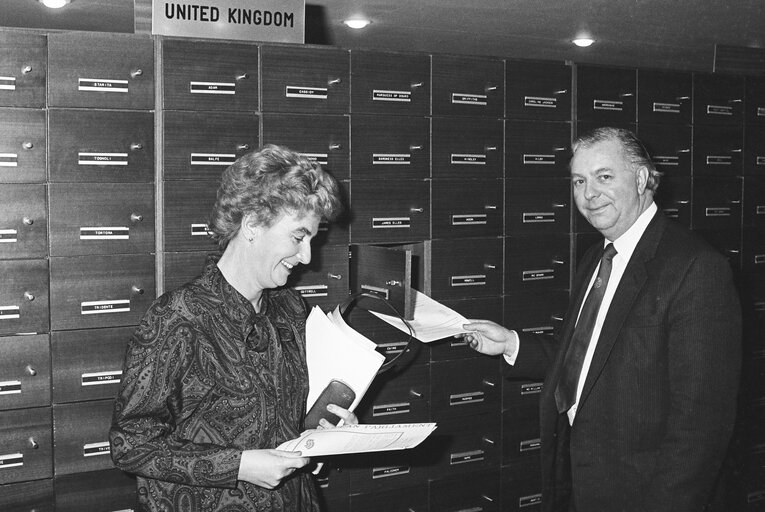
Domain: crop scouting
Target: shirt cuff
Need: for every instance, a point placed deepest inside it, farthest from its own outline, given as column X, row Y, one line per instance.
column 517, row 344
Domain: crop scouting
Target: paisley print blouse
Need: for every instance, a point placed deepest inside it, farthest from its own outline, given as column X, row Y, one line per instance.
column 206, row 377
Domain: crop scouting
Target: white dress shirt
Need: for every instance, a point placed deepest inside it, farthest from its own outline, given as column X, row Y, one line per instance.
column 625, row 246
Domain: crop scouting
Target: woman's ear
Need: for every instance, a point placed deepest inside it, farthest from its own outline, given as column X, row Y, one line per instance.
column 249, row 227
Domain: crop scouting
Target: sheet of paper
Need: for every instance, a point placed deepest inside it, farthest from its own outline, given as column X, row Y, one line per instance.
column 432, row 320
column 359, row 439
column 332, row 354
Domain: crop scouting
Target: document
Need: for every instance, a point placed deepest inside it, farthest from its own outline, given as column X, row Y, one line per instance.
column 432, row 320
column 334, row 350
column 359, row 439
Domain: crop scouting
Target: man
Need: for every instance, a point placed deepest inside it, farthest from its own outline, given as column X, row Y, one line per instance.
column 639, row 398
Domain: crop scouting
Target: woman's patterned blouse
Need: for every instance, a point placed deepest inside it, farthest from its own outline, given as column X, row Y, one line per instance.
column 206, row 377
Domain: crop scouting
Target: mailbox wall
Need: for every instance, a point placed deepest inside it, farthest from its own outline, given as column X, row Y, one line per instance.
column 455, row 172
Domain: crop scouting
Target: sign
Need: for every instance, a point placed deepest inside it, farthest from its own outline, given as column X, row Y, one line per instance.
column 280, row 21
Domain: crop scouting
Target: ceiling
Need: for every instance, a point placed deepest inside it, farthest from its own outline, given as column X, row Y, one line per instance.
column 678, row 34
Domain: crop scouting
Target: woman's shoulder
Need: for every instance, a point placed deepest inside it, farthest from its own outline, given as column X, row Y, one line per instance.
column 289, row 301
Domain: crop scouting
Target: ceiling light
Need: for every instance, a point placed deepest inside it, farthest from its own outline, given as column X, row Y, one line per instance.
column 357, row 23
column 55, row 4
column 583, row 42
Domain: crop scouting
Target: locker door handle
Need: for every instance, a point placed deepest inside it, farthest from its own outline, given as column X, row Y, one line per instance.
column 243, row 76
column 487, row 382
column 26, row 69
column 489, row 266
column 335, row 276
column 559, row 205
column 29, row 296
column 490, row 88
column 334, row 81
column 31, row 370
column 490, row 500
column 559, row 262
column 137, row 290
column 737, row 100
column 557, row 318
column 490, row 207
column 136, row 72
column 417, row 84
column 688, row 150
column 136, row 217
column 135, row 146
column 242, row 147
column 487, row 440
column 33, row 443
column 682, row 98
column 415, row 394
column 335, row 147
column 28, row 221
column 560, row 148
column 682, row 201
column 416, row 210
column 490, row 148
column 562, row 91
column 736, row 150
column 28, row 145
column 626, row 94
column 415, row 147
column 393, row 282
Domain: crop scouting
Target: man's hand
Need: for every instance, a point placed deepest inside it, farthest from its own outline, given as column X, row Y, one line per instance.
column 267, row 468
column 489, row 338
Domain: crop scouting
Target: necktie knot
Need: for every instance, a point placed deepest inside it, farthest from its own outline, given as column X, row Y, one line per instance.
column 609, row 252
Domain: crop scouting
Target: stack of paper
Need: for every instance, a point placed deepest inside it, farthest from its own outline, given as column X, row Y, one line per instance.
column 334, row 350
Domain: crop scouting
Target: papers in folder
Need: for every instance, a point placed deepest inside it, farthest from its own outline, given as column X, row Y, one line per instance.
column 334, row 350
column 432, row 320
column 359, row 439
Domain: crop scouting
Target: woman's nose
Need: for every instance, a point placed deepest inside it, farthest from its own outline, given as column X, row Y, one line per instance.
column 304, row 256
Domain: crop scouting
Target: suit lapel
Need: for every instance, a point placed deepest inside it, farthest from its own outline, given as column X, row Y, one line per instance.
column 635, row 276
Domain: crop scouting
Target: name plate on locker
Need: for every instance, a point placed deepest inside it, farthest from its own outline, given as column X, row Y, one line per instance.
column 392, row 348
column 311, row 93
column 540, row 102
column 397, row 96
column 533, row 388
column 761, row 111
column 391, row 222
column 669, row 108
column 530, row 500
column 280, row 21
column 719, row 160
column 756, row 496
column 543, row 329
column 464, row 457
column 319, row 158
column 8, row 236
column 721, row 211
column 467, row 159
column 469, row 99
column 761, row 160
column 469, row 220
column 105, row 233
column 9, row 312
column 389, row 409
column 536, row 217
column 529, row 445
column 471, row 280
column 386, row 471
column 200, row 230
column 538, row 275
column 760, row 210
column 391, row 158
column 672, row 213
column 666, row 160
column 224, row 159
column 100, row 378
column 720, row 110
column 466, row 398
column 608, row 105
column 9, row 160
column 317, row 290
column 375, row 290
column 212, row 87
column 7, row 83
column 759, row 259
column 11, row 460
column 102, row 85
column 529, row 159
column 10, row 387
column 97, row 307
column 102, row 159
column 95, row 449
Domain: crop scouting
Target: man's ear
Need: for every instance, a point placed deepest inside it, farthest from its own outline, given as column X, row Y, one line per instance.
column 641, row 178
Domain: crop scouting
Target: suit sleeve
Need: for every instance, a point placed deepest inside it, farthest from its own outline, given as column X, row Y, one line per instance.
column 536, row 354
column 704, row 357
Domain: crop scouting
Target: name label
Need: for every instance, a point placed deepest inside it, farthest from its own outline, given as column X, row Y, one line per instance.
column 391, row 158
column 469, row 99
column 100, row 378
column 317, row 290
column 312, row 93
column 759, row 259
column 392, row 348
column 389, row 409
column 673, row 213
column 466, row 398
column 9, row 160
column 98, row 307
column 540, row 102
column 760, row 210
column 104, row 233
column 391, row 222
column 7, row 83
column 386, row 471
column 95, row 449
column 319, row 158
column 720, row 110
column 536, row 217
column 102, row 159
column 470, row 280
column 467, row 159
column 544, row 329
column 532, row 388
column 10, row 387
column 530, row 500
column 614, row 105
column 8, row 236
column 538, row 275
column 668, row 108
column 375, row 290
column 721, row 211
column 466, row 457
column 222, row 159
column 9, row 312
column 212, row 87
column 529, row 445
column 11, row 460
column 761, row 111
column 667, row 160
column 529, row 159
column 760, row 160
column 396, row 96
column 200, row 230
column 469, row 220
column 719, row 159
column 102, row 85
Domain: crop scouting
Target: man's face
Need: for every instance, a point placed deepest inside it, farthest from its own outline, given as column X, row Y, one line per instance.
column 609, row 192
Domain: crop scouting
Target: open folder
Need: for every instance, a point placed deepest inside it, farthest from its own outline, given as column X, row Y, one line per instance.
column 334, row 350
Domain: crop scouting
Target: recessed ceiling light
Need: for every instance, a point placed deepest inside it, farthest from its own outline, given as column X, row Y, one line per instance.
column 583, row 42
column 356, row 23
column 55, row 4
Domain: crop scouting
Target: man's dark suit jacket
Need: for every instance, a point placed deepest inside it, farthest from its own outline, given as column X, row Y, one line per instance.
column 658, row 405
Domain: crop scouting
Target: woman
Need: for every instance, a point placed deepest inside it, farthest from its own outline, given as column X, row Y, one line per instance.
column 215, row 375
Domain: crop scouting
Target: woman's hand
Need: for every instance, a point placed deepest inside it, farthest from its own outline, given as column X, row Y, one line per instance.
column 344, row 414
column 267, row 468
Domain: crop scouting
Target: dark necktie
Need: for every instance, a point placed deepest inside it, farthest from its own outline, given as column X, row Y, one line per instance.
column 565, row 393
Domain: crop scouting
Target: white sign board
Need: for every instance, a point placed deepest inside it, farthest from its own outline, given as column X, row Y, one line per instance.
column 280, row 21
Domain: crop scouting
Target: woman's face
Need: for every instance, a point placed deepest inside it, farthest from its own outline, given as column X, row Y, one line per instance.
column 277, row 249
